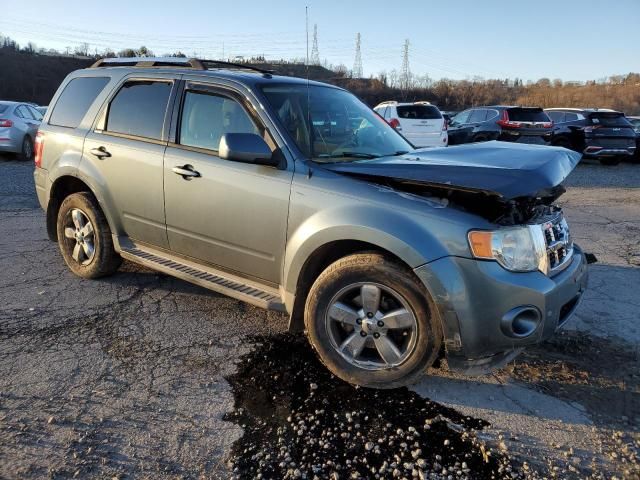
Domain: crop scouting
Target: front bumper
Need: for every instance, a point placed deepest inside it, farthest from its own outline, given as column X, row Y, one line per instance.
column 474, row 296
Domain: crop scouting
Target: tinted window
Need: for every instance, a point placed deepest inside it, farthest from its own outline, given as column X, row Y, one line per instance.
column 22, row 112
column 478, row 115
column 527, row 115
column 139, row 108
column 205, row 118
column 462, row 117
column 609, row 119
column 557, row 117
column 75, row 100
column 419, row 112
column 571, row 117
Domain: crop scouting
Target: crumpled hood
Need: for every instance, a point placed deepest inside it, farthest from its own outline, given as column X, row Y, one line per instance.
column 507, row 170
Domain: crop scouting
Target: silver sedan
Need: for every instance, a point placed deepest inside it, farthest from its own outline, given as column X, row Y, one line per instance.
column 19, row 124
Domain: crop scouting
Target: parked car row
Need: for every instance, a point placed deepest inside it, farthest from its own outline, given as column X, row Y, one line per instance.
column 604, row 134
column 19, row 124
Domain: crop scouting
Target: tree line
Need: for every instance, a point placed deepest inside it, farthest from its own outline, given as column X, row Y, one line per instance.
column 33, row 74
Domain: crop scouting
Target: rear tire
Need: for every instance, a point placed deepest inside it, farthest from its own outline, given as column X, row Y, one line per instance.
column 84, row 237
column 610, row 161
column 388, row 348
column 26, row 153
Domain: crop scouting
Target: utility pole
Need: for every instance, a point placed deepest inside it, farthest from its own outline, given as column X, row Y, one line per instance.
column 357, row 64
column 405, row 73
column 315, row 55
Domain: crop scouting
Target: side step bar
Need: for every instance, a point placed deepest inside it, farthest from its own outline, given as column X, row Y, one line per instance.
column 221, row 282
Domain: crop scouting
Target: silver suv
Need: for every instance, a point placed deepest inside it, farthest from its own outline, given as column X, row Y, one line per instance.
column 294, row 196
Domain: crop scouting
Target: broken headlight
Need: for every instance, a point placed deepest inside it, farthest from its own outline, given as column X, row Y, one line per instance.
column 518, row 249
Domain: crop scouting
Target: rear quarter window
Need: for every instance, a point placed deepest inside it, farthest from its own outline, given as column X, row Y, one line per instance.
column 75, row 100
column 419, row 112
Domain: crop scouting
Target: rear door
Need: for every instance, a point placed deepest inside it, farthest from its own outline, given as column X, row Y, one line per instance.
column 126, row 148
column 421, row 124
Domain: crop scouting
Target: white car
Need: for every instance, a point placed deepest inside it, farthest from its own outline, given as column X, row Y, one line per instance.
column 419, row 122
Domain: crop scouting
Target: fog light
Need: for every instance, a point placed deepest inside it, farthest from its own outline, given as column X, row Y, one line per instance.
column 520, row 322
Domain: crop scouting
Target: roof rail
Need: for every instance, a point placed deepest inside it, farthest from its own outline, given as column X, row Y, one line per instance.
column 178, row 62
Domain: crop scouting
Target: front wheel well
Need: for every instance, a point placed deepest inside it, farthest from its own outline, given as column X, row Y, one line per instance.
column 317, row 262
column 61, row 189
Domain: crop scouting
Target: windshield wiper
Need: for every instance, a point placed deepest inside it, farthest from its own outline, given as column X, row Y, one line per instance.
column 349, row 154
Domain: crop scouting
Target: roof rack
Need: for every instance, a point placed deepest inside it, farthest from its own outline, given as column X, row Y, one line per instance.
column 177, row 62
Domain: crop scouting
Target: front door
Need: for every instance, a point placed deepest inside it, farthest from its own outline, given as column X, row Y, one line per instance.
column 233, row 214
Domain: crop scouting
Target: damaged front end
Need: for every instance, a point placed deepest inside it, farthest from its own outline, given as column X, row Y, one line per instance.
column 507, row 184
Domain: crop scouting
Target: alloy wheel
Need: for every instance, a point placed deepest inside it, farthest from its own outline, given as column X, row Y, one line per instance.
column 371, row 326
column 80, row 236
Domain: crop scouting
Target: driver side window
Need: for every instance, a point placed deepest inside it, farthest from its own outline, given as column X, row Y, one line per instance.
column 207, row 116
column 462, row 117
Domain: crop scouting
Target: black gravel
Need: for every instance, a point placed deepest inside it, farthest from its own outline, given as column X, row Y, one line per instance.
column 300, row 421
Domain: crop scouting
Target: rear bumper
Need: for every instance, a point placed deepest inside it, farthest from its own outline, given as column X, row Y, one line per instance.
column 9, row 145
column 429, row 141
column 474, row 299
column 595, row 152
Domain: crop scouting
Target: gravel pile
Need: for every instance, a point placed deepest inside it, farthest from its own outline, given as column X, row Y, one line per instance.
column 301, row 422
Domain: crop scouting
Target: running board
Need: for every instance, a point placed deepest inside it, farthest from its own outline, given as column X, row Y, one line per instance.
column 221, row 282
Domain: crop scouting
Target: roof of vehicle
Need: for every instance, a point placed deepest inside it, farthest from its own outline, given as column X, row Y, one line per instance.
column 581, row 110
column 9, row 102
column 505, row 106
column 212, row 68
column 402, row 104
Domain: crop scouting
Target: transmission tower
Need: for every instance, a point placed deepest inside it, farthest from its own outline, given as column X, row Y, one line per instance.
column 405, row 73
column 357, row 64
column 315, row 55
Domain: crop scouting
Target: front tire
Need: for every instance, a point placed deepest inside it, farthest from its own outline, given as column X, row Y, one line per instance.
column 372, row 323
column 84, row 237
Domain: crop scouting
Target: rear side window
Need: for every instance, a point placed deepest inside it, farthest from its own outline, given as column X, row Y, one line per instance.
column 527, row 115
column 75, row 100
column 571, row 117
column 419, row 112
column 206, row 117
column 609, row 120
column 139, row 109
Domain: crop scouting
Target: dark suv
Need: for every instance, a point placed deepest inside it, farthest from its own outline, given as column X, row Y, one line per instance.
column 509, row 124
column 597, row 133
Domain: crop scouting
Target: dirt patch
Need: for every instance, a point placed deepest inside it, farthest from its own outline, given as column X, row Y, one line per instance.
column 301, row 422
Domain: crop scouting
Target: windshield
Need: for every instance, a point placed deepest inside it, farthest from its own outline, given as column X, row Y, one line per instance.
column 336, row 126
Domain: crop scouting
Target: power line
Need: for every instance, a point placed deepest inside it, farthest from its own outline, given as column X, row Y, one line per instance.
column 405, row 72
column 357, row 64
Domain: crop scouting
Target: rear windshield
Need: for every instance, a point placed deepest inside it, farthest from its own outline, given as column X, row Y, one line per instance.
column 419, row 112
column 3, row 108
column 609, row 119
column 528, row 115
column 75, row 100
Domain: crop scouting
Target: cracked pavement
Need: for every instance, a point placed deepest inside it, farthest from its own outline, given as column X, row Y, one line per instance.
column 125, row 376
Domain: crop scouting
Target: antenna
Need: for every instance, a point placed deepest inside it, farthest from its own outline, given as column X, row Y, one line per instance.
column 357, row 64
column 405, row 73
column 315, row 55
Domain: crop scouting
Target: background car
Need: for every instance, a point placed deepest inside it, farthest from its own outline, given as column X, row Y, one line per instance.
column 635, row 121
column 506, row 123
column 42, row 109
column 598, row 133
column 19, row 123
column 419, row 122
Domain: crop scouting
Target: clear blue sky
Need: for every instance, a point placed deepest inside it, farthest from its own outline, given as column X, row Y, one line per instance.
column 572, row 40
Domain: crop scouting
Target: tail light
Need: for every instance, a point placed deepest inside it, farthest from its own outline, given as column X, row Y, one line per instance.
column 39, row 149
column 547, row 125
column 506, row 123
column 395, row 123
column 590, row 129
column 5, row 123
column 445, row 125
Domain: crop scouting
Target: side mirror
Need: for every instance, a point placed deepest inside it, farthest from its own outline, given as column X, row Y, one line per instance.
column 247, row 148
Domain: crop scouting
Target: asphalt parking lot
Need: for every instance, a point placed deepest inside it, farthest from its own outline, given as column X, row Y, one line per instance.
column 140, row 375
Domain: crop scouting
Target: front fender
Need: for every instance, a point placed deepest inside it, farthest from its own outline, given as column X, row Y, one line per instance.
column 396, row 232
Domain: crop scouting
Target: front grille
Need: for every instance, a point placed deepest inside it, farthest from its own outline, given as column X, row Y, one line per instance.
column 558, row 242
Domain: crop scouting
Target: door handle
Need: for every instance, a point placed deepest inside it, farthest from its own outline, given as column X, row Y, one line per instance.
column 186, row 171
column 100, row 152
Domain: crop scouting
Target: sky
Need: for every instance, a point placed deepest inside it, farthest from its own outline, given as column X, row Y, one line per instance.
column 567, row 39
